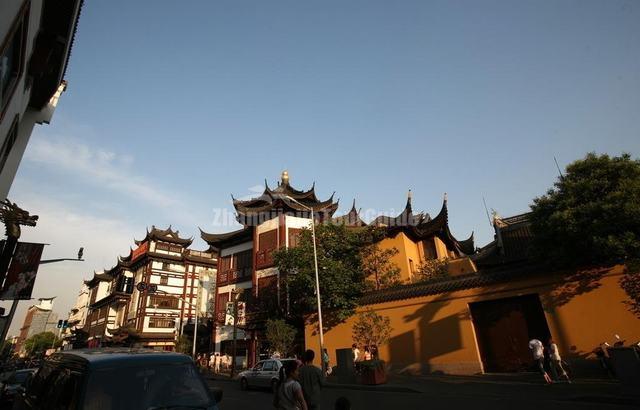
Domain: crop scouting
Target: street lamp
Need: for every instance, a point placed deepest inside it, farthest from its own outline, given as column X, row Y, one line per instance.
column 315, row 262
column 236, row 296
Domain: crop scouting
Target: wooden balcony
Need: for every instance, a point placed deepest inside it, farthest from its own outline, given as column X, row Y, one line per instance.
column 233, row 276
column 264, row 259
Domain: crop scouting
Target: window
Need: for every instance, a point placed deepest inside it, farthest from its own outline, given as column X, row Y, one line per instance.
column 259, row 366
column 429, row 249
column 243, row 262
column 294, row 237
column 8, row 143
column 12, row 57
column 163, row 302
column 161, row 323
column 269, row 366
column 268, row 240
column 225, row 263
column 166, row 266
column 164, row 279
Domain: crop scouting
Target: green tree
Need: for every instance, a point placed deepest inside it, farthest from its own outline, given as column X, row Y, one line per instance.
column 340, row 270
column 184, row 345
column 378, row 269
column 40, row 342
column 371, row 329
column 592, row 214
column 280, row 336
column 433, row 268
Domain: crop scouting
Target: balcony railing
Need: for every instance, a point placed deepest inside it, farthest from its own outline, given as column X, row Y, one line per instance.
column 264, row 259
column 233, row 275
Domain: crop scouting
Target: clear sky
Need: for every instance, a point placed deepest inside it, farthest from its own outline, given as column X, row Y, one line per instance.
column 172, row 106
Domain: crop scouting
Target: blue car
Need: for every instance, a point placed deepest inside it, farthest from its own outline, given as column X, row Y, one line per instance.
column 123, row 379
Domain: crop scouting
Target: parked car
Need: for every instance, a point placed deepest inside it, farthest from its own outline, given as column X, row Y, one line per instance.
column 264, row 374
column 123, row 379
column 11, row 384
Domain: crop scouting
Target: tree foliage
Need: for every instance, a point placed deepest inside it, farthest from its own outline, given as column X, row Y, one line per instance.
column 433, row 268
column 40, row 342
column 371, row 329
column 184, row 345
column 592, row 214
column 339, row 265
column 378, row 269
column 280, row 336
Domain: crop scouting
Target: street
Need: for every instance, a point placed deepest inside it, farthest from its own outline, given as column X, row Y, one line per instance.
column 469, row 396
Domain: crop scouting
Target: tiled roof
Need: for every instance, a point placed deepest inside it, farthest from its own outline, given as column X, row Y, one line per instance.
column 448, row 284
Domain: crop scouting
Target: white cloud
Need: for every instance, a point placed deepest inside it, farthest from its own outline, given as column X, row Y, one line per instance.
column 100, row 167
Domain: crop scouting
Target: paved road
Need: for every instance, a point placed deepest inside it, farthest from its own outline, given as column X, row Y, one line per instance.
column 234, row 398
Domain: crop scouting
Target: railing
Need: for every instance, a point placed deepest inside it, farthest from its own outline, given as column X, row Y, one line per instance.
column 264, row 259
column 233, row 275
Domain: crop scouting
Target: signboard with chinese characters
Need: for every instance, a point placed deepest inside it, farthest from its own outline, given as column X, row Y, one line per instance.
column 139, row 251
column 21, row 275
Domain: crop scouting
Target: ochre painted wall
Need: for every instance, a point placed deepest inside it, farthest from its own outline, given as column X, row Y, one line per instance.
column 407, row 249
column 435, row 333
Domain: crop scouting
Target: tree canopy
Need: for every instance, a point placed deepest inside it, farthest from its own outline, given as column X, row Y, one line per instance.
column 592, row 214
column 371, row 329
column 280, row 335
column 341, row 277
column 40, row 342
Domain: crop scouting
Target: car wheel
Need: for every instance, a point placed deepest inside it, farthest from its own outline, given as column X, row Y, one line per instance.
column 274, row 385
column 244, row 384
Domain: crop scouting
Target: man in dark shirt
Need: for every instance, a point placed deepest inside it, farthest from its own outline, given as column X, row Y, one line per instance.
column 311, row 379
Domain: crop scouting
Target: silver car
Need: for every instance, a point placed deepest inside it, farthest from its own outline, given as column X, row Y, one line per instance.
column 263, row 374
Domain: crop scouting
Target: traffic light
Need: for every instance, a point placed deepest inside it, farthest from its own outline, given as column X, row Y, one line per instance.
column 65, row 324
column 59, row 324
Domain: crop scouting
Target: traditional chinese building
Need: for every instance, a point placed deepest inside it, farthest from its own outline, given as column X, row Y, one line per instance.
column 275, row 219
column 182, row 277
column 481, row 319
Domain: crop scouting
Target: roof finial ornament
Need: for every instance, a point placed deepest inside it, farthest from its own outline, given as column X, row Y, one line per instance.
column 445, row 197
column 285, row 177
column 409, row 196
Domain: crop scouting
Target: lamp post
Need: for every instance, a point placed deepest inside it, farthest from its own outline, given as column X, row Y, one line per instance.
column 315, row 262
column 236, row 295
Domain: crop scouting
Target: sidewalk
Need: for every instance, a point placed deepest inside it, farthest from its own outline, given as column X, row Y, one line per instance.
column 496, row 386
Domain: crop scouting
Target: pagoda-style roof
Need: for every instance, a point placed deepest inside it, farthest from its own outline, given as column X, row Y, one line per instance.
column 217, row 240
column 350, row 219
column 98, row 277
column 283, row 200
column 404, row 218
column 165, row 235
column 427, row 227
column 511, row 244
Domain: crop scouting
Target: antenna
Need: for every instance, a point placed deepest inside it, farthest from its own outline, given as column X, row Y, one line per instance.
column 487, row 211
column 558, row 166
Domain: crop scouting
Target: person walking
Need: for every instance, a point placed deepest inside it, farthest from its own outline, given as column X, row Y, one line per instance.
column 216, row 363
column 537, row 350
column 356, row 353
column 311, row 380
column 325, row 362
column 367, row 353
column 288, row 394
column 556, row 362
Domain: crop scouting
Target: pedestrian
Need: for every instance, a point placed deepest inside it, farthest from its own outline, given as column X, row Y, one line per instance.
column 342, row 403
column 311, row 380
column 556, row 362
column 374, row 352
column 289, row 394
column 367, row 353
column 325, row 362
column 218, row 362
column 538, row 356
column 356, row 353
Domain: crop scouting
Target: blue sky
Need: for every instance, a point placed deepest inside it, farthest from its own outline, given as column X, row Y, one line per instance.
column 173, row 106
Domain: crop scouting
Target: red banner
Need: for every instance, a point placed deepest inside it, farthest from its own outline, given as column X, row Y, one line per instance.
column 139, row 251
column 22, row 272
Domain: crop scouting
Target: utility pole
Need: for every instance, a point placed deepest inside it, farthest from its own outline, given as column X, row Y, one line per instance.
column 236, row 295
column 195, row 328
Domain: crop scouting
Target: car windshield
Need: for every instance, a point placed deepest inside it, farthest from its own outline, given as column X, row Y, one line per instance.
column 167, row 386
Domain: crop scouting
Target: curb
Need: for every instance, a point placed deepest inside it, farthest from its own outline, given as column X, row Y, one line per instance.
column 378, row 387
